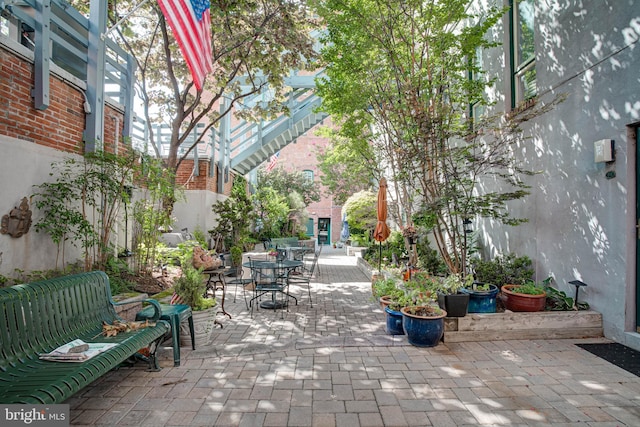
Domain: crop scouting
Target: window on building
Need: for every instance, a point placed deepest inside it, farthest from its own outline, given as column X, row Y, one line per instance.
column 476, row 106
column 523, row 58
column 309, row 231
column 308, row 174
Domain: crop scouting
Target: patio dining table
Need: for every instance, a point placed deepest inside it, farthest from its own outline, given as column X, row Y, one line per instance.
column 276, row 272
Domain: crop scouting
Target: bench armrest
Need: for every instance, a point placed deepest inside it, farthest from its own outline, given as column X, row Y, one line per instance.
column 157, row 310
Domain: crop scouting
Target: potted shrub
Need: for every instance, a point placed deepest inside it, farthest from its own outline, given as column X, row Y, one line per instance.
column 451, row 298
column 384, row 290
column 236, row 256
column 504, row 269
column 530, row 296
column 482, row 297
column 189, row 289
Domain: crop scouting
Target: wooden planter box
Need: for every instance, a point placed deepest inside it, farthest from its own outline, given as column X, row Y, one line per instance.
column 523, row 326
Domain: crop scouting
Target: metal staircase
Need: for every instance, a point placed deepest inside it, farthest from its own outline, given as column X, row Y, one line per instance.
column 247, row 153
column 243, row 147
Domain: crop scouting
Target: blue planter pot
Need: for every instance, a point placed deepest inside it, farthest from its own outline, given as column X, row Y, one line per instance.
column 423, row 331
column 482, row 301
column 394, row 322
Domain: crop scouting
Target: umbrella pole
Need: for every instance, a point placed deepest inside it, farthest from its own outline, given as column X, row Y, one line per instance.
column 380, row 258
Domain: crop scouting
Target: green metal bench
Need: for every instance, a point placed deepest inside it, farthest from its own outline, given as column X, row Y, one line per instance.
column 38, row 317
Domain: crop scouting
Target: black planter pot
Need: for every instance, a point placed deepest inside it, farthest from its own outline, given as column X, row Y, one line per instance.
column 456, row 305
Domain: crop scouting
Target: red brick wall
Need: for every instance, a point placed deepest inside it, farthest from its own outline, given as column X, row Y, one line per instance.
column 302, row 156
column 189, row 181
column 185, row 178
column 58, row 126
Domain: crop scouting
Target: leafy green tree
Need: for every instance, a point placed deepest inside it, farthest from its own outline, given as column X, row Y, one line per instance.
column 399, row 72
column 289, row 182
column 272, row 212
column 256, row 44
column 347, row 165
column 81, row 204
column 234, row 214
column 154, row 184
column 293, row 189
column 361, row 213
column 296, row 221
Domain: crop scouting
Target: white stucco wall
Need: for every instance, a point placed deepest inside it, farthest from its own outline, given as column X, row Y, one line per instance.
column 195, row 211
column 22, row 165
column 581, row 224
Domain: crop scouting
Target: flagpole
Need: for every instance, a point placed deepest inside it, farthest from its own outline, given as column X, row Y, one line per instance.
column 124, row 18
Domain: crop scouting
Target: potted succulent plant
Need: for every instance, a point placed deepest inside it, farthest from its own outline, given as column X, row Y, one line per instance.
column 451, row 298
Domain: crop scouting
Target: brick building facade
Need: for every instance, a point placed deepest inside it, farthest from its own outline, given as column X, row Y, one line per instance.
column 325, row 217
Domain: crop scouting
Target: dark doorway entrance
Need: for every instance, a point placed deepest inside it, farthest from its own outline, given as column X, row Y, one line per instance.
column 324, row 231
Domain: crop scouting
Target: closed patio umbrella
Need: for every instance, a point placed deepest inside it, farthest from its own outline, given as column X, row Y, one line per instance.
column 381, row 232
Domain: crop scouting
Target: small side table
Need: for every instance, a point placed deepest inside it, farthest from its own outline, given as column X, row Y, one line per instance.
column 174, row 314
column 215, row 282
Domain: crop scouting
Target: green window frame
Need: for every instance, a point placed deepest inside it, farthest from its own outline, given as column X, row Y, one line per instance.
column 310, row 227
column 523, row 54
column 476, row 108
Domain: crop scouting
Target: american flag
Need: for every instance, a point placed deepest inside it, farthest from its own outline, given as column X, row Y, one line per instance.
column 176, row 299
column 273, row 161
column 190, row 22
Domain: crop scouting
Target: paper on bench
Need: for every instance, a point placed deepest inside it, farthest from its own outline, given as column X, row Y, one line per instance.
column 61, row 354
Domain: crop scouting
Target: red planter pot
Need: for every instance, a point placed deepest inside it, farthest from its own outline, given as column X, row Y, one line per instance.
column 522, row 302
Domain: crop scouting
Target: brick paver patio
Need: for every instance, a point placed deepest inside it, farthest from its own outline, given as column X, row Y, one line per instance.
column 333, row 365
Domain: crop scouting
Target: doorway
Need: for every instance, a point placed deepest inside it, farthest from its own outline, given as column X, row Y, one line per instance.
column 637, row 132
column 324, row 231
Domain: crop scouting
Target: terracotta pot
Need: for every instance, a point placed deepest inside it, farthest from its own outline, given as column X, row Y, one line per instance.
column 385, row 300
column 522, row 302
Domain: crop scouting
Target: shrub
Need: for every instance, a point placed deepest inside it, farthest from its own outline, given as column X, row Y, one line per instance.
column 384, row 287
column 504, row 269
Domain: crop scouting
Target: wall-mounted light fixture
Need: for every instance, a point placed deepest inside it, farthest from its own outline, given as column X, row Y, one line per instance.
column 604, row 151
column 466, row 224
